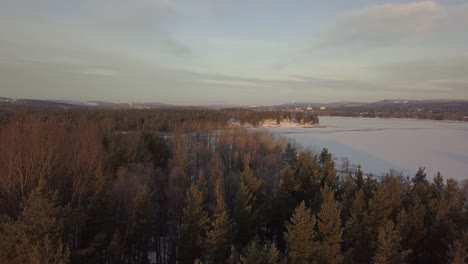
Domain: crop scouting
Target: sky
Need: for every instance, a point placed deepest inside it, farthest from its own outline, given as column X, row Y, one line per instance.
column 255, row 52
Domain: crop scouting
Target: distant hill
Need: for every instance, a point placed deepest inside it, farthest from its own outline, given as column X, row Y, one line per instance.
column 344, row 104
column 72, row 104
column 388, row 104
column 150, row 105
column 405, row 101
column 33, row 104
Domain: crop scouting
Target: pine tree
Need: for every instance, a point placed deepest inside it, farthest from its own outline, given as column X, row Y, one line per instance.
column 256, row 254
column 243, row 213
column 253, row 183
column 282, row 206
column 201, row 182
column 35, row 237
column 421, row 187
column 347, row 190
column 444, row 220
column 420, row 177
column 300, row 235
column 308, row 179
column 329, row 228
column 115, row 249
column 98, row 227
column 255, row 186
column 141, row 223
column 304, row 171
column 329, row 173
column 218, row 238
column 411, row 226
column 370, row 187
column 287, row 181
column 389, row 249
column 324, row 156
column 290, row 155
column 357, row 234
column 48, row 252
column 359, row 178
column 234, row 257
column 457, row 253
column 383, row 206
column 194, row 226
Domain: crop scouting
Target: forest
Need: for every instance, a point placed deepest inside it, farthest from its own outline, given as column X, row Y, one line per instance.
column 183, row 186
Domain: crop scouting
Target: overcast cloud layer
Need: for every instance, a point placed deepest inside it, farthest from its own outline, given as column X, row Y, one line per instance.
column 242, row 52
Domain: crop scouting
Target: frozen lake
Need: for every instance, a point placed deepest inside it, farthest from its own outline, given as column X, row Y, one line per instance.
column 383, row 144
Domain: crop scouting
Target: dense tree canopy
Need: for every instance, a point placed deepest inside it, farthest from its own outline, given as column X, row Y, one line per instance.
column 184, row 186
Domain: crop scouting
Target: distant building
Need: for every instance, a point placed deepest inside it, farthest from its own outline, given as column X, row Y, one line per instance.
column 323, row 108
column 298, row 109
column 309, row 108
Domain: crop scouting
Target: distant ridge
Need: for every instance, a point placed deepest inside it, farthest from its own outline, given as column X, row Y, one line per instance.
column 381, row 102
column 66, row 104
column 71, row 104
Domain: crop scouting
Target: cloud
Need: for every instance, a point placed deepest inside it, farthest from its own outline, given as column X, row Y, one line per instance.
column 114, row 77
column 455, row 86
column 436, row 77
column 60, row 77
column 393, row 24
column 451, row 67
column 123, row 25
column 99, row 72
column 296, row 83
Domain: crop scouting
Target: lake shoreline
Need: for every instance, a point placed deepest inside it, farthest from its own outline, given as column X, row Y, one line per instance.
column 382, row 144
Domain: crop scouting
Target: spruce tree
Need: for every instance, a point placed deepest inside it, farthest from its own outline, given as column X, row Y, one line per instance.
column 255, row 186
column 282, row 206
column 421, row 187
column 98, row 227
column 304, row 172
column 345, row 193
column 290, row 155
column 444, row 220
column 254, row 183
column 256, row 254
column 243, row 213
column 194, row 226
column 287, row 182
column 357, row 234
column 329, row 174
column 47, row 252
column 383, row 206
column 329, row 228
column 359, row 178
column 141, row 223
column 219, row 236
column 234, row 257
column 308, row 179
column 324, row 156
column 411, row 225
column 35, row 237
column 115, row 249
column 389, row 249
column 300, row 235
column 457, row 253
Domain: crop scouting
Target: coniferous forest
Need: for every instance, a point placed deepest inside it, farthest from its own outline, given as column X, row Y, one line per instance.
column 183, row 186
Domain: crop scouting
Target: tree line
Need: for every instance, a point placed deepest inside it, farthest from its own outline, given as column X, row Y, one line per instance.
column 75, row 190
